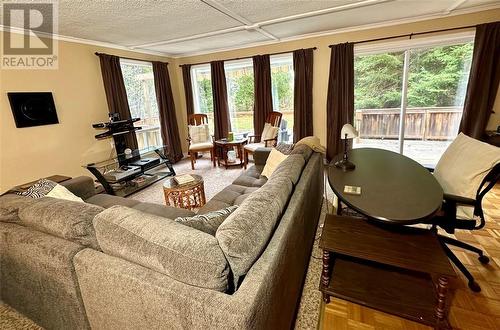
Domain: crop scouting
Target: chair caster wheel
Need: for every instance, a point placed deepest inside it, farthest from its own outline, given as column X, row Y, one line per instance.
column 474, row 286
column 484, row 259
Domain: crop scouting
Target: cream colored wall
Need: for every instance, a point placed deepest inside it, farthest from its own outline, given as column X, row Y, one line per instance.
column 34, row 152
column 322, row 56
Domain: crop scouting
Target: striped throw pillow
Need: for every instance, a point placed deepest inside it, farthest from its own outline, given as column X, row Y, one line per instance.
column 208, row 222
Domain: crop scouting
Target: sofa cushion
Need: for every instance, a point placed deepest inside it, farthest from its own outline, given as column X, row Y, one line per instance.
column 227, row 197
column 181, row 252
column 245, row 233
column 66, row 219
column 303, row 150
column 208, row 222
column 10, row 204
column 106, row 201
column 290, row 168
column 251, row 177
column 213, row 205
column 163, row 210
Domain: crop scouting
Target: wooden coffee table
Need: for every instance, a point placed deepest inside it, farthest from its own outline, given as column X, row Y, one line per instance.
column 398, row 270
column 225, row 146
column 187, row 196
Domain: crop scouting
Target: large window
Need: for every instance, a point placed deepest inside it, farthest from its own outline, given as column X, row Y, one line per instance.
column 282, row 88
column 240, row 95
column 141, row 95
column 423, row 83
column 202, row 92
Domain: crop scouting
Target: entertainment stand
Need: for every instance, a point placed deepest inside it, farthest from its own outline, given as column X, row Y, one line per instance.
column 131, row 170
column 126, row 174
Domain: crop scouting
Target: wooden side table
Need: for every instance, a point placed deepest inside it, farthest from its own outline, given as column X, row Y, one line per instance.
column 225, row 146
column 188, row 196
column 399, row 270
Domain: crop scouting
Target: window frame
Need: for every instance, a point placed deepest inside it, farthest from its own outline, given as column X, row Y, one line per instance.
column 126, row 61
column 406, row 46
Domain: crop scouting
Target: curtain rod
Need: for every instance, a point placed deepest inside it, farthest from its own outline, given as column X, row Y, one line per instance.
column 127, row 58
column 410, row 35
column 241, row 58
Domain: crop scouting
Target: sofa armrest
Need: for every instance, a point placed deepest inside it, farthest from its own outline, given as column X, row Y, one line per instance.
column 260, row 155
column 81, row 186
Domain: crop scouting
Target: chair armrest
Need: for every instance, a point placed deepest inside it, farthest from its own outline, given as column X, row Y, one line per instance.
column 81, row 186
column 273, row 142
column 459, row 199
column 251, row 138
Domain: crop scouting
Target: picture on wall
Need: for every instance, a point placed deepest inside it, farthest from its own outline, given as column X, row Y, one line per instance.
column 33, row 108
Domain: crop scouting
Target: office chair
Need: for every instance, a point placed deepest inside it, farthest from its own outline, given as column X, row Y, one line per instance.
column 447, row 219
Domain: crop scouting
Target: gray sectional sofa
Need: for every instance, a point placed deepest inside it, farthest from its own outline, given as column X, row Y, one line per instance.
column 114, row 263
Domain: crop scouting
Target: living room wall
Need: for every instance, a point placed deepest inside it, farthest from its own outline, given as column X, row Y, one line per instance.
column 322, row 57
column 30, row 153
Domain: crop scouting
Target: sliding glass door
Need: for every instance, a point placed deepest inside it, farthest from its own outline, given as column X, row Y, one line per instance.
column 423, row 84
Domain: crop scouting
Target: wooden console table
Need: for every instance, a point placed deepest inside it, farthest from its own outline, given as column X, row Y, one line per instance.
column 399, row 270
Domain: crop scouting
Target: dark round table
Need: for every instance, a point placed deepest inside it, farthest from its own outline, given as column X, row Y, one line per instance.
column 394, row 188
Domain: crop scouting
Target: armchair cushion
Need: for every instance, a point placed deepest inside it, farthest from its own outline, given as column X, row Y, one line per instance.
column 199, row 133
column 463, row 167
column 254, row 146
column 200, row 146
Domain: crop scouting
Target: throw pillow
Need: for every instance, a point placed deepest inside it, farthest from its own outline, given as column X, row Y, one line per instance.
column 313, row 143
column 199, row 133
column 269, row 132
column 39, row 189
column 273, row 160
column 463, row 167
column 208, row 222
column 44, row 187
column 62, row 192
column 284, row 148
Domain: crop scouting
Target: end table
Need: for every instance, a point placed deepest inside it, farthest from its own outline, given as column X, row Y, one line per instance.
column 188, row 196
column 398, row 270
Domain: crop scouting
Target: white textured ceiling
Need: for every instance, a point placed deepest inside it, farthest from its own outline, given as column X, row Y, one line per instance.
column 184, row 27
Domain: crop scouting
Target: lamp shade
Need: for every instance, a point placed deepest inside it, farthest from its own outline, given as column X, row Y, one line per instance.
column 348, row 130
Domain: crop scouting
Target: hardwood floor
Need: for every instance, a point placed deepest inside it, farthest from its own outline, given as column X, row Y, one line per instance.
column 469, row 310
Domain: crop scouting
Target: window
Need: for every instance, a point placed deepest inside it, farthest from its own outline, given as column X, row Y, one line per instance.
column 202, row 92
column 240, row 95
column 141, row 95
column 282, row 81
column 424, row 83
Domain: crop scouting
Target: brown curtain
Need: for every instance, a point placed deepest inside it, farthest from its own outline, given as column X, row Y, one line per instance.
column 166, row 107
column 302, row 99
column 483, row 80
column 263, row 98
column 116, row 95
column 222, row 124
column 340, row 98
column 188, row 88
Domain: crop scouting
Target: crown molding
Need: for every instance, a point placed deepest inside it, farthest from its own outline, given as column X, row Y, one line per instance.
column 61, row 37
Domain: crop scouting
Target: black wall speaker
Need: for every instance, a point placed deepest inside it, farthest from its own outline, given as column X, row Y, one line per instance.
column 33, row 108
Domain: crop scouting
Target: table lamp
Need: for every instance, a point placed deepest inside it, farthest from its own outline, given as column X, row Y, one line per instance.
column 347, row 132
